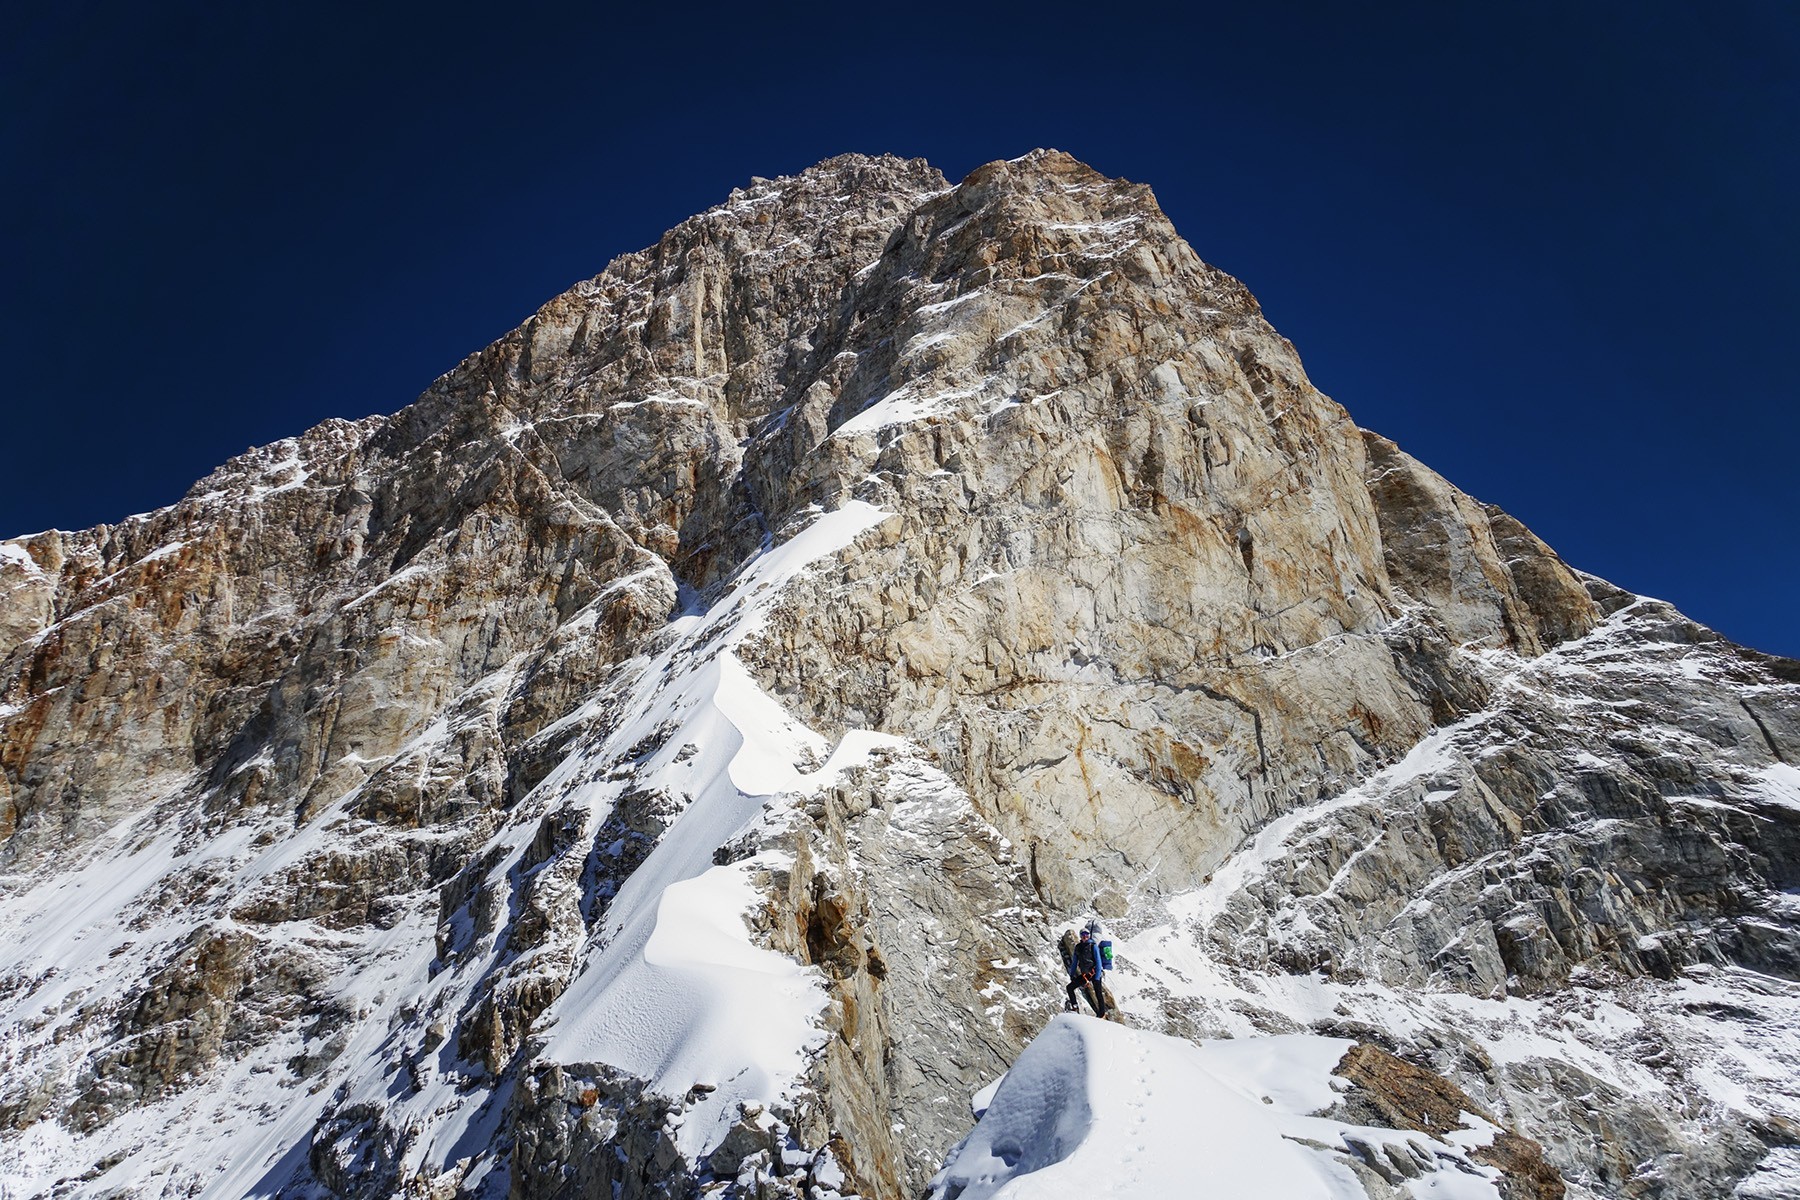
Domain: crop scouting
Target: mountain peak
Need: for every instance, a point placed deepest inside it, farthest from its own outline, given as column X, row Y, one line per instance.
column 659, row 761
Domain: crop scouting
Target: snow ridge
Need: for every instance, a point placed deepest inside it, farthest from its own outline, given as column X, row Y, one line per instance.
column 1094, row 1109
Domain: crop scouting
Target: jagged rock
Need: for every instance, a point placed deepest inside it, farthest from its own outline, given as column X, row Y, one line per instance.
column 1484, row 575
column 1397, row 1094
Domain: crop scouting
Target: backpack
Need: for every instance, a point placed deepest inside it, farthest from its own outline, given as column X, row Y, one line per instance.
column 1103, row 948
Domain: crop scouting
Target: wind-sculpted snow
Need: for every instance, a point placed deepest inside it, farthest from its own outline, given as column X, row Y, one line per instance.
column 672, row 991
column 1092, row 1109
column 660, row 761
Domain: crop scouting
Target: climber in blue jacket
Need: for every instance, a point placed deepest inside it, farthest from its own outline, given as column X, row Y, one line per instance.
column 1085, row 967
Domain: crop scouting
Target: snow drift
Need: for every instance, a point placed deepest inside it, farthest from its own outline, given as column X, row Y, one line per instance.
column 1095, row 1109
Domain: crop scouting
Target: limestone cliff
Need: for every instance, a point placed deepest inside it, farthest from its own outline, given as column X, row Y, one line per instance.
column 926, row 564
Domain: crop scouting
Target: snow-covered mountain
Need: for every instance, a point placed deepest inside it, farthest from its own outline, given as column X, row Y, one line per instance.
column 659, row 761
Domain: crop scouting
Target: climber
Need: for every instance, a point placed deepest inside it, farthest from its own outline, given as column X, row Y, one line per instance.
column 1102, row 944
column 1085, row 969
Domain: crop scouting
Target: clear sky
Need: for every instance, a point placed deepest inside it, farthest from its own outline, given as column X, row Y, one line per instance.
column 1551, row 249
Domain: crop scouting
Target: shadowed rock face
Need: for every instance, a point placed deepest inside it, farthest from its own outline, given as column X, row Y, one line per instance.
column 1158, row 624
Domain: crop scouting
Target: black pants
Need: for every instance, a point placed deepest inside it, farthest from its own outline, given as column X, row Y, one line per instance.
column 1099, row 994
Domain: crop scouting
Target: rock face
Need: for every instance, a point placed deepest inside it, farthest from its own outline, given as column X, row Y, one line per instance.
column 932, row 564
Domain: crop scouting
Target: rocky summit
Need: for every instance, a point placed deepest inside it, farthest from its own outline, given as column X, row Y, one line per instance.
column 660, row 761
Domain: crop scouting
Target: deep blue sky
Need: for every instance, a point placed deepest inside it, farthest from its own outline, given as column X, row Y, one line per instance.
column 1552, row 249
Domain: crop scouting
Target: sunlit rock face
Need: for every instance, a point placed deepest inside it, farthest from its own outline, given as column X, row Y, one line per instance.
column 658, row 761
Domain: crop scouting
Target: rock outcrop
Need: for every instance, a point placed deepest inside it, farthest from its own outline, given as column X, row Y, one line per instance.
column 913, row 566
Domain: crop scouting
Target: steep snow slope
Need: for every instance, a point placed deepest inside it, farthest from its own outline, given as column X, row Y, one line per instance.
column 673, row 990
